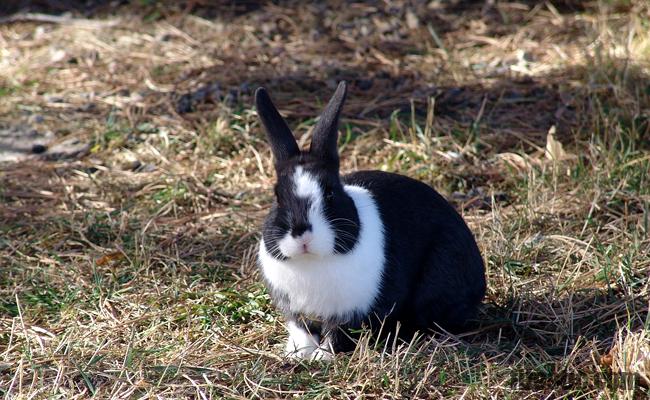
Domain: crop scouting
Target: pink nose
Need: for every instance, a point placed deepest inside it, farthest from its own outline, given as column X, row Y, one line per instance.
column 305, row 239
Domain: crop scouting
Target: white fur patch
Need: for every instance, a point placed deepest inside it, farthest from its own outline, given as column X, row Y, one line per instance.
column 334, row 285
column 305, row 185
column 321, row 240
column 300, row 343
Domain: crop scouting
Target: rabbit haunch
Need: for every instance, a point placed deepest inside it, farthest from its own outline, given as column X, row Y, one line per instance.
column 319, row 282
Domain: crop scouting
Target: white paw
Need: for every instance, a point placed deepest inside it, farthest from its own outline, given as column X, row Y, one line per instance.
column 297, row 352
column 321, row 354
column 301, row 344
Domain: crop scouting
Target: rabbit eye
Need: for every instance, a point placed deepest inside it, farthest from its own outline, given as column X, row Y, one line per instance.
column 329, row 194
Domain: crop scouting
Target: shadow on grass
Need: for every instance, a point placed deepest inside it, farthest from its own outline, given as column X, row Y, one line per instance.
column 508, row 110
column 553, row 324
column 148, row 8
column 233, row 8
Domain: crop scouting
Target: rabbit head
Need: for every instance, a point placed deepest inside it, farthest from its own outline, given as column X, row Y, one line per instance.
column 312, row 216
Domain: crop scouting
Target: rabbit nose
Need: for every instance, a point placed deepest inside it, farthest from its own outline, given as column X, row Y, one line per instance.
column 299, row 229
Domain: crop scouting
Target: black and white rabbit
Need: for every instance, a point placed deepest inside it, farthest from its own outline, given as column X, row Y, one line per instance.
column 368, row 248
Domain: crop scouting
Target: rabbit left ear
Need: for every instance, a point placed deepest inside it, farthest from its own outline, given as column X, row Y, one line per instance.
column 326, row 132
column 283, row 144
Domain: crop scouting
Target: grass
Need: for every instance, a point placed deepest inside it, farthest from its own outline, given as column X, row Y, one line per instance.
column 129, row 272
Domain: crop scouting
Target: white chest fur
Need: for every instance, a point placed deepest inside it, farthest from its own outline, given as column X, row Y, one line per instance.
column 339, row 284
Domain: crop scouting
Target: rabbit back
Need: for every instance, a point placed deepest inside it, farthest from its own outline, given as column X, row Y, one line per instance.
column 433, row 272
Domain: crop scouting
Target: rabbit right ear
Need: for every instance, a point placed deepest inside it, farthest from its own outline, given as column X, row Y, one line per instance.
column 326, row 132
column 283, row 144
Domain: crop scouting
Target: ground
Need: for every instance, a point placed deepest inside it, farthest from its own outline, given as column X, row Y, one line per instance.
column 136, row 176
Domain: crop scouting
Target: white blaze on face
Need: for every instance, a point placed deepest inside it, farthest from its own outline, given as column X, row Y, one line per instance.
column 305, row 186
column 320, row 240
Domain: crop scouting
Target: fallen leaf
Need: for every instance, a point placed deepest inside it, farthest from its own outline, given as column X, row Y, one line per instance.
column 554, row 149
column 109, row 257
column 514, row 160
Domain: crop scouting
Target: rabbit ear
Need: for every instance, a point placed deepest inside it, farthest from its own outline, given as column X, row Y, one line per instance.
column 326, row 132
column 283, row 144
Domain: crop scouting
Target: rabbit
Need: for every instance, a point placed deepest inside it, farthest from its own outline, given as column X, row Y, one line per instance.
column 368, row 249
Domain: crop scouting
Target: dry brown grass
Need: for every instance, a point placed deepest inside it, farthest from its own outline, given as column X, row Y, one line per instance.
column 129, row 270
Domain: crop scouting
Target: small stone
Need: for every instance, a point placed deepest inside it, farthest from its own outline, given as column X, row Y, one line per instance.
column 146, row 168
column 135, row 165
column 39, row 148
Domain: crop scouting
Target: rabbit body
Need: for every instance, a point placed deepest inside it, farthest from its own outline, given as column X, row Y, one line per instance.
column 369, row 248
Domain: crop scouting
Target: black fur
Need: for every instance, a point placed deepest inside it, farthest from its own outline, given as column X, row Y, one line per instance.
column 325, row 134
column 283, row 144
column 433, row 273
